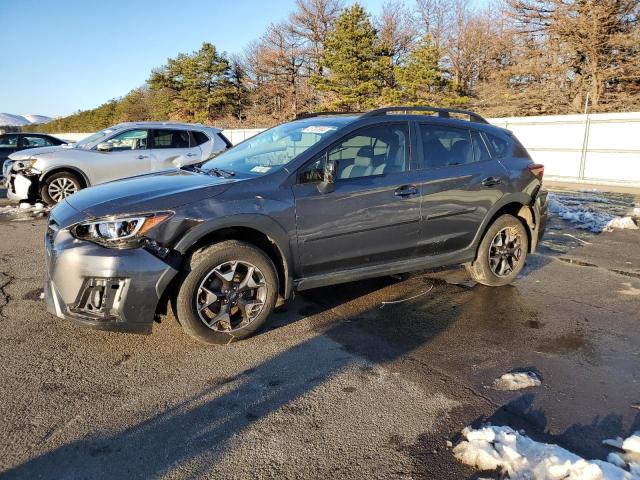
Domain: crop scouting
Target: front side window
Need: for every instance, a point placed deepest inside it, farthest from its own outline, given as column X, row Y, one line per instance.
column 30, row 142
column 9, row 141
column 274, row 148
column 129, row 140
column 371, row 151
column 170, row 139
column 444, row 146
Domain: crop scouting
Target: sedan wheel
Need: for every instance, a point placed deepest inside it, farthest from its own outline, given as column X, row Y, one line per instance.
column 61, row 188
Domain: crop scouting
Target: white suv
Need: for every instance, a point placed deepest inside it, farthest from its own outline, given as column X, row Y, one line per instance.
column 124, row 150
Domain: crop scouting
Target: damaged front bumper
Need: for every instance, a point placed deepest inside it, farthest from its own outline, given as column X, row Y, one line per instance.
column 103, row 288
column 21, row 187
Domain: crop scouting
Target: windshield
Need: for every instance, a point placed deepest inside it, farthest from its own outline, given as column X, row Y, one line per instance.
column 273, row 148
column 86, row 142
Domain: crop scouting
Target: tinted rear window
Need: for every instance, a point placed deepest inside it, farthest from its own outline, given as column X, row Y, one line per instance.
column 170, row 139
column 199, row 138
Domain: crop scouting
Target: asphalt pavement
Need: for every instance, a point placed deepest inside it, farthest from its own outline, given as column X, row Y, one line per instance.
column 340, row 383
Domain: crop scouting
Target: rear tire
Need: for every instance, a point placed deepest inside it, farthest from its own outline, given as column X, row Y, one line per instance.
column 59, row 186
column 502, row 253
column 229, row 291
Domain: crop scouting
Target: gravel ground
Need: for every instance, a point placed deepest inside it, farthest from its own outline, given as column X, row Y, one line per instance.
column 337, row 385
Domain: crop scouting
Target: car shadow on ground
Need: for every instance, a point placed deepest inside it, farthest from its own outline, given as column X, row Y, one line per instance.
column 205, row 425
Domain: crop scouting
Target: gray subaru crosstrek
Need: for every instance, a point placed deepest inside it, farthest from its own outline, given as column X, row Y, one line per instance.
column 322, row 200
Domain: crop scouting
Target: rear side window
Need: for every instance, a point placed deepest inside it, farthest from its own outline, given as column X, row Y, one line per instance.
column 29, row 141
column 199, row 138
column 518, row 149
column 445, row 146
column 170, row 139
column 480, row 152
column 499, row 146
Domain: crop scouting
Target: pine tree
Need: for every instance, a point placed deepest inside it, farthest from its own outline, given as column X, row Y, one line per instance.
column 354, row 61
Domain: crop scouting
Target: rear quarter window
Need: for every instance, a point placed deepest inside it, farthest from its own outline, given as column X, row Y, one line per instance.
column 499, row 146
column 199, row 138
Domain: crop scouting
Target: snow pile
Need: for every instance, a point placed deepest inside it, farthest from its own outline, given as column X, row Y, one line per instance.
column 576, row 209
column 13, row 120
column 519, row 457
column 630, row 456
column 516, row 381
column 25, row 209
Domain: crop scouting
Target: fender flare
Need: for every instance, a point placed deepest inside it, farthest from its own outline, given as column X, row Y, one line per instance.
column 259, row 222
column 525, row 212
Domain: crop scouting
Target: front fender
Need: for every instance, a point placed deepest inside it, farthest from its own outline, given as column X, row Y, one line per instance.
column 261, row 223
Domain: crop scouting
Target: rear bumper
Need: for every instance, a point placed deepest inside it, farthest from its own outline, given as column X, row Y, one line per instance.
column 107, row 289
column 540, row 208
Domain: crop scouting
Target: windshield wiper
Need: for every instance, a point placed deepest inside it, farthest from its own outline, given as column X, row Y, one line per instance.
column 221, row 172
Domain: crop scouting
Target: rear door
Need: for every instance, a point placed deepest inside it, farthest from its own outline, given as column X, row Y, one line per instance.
column 172, row 146
column 128, row 157
column 372, row 215
column 459, row 183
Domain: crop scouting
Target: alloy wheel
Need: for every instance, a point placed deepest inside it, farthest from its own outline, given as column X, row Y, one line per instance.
column 61, row 188
column 231, row 296
column 505, row 251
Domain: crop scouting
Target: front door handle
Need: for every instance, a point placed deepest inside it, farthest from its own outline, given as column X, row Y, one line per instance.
column 140, row 157
column 406, row 190
column 191, row 154
column 491, row 181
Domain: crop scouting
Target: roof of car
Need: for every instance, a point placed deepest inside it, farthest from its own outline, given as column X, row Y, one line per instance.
column 165, row 124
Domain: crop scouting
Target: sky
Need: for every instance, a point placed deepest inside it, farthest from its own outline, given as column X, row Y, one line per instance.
column 58, row 57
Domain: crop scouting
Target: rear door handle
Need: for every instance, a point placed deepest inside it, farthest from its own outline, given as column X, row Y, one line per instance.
column 491, row 181
column 191, row 154
column 140, row 157
column 406, row 190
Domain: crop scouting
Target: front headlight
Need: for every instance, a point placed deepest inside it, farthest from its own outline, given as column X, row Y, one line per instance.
column 119, row 232
column 25, row 167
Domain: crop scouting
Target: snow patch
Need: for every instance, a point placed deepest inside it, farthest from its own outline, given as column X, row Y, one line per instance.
column 576, row 209
column 519, row 457
column 517, row 381
column 13, row 120
column 25, row 209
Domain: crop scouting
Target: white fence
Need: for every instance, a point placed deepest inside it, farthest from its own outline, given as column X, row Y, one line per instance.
column 598, row 148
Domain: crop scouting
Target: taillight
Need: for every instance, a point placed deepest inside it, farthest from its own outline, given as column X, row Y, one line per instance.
column 537, row 169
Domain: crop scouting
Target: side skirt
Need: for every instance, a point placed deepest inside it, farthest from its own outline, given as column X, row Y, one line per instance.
column 383, row 269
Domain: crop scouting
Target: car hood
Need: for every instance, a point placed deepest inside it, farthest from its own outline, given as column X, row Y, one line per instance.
column 34, row 152
column 146, row 193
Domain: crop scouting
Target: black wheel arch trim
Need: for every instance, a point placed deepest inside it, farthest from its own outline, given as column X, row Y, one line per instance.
column 261, row 223
column 518, row 198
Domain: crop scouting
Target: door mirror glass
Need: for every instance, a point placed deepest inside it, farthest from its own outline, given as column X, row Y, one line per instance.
column 104, row 147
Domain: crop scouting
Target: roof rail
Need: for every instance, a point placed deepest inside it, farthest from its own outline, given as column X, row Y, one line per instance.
column 304, row 115
column 442, row 112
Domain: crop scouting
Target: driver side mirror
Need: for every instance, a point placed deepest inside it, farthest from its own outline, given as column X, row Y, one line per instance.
column 326, row 186
column 104, row 147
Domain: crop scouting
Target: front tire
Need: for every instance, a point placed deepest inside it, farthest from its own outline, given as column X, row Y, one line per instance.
column 502, row 253
column 228, row 292
column 59, row 186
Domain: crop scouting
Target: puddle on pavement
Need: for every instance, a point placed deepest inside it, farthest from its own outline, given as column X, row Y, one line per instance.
column 564, row 344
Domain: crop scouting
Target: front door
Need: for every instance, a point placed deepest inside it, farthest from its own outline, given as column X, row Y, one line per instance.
column 459, row 183
column 127, row 157
column 372, row 215
column 170, row 148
